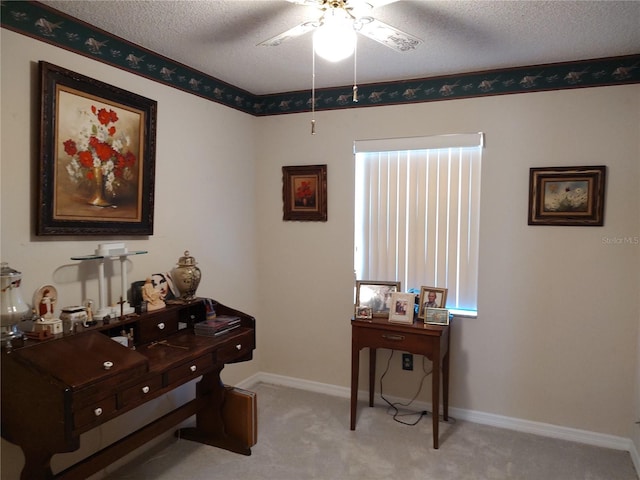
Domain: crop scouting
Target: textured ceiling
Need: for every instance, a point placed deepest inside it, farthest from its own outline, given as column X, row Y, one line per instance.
column 220, row 37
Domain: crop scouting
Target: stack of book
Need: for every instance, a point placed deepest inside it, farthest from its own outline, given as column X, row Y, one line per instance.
column 218, row 325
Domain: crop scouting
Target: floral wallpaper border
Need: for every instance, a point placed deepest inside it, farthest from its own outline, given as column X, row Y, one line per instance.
column 48, row 25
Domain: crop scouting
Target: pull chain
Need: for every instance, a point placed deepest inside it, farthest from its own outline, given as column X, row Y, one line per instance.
column 313, row 91
column 355, row 66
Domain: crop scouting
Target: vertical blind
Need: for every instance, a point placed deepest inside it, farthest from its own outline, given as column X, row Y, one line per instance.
column 417, row 213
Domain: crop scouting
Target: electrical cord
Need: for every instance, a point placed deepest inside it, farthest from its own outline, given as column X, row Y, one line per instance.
column 394, row 406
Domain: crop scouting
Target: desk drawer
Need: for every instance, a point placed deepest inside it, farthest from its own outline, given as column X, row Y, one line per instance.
column 95, row 414
column 141, row 391
column 237, row 347
column 408, row 342
column 158, row 326
column 189, row 370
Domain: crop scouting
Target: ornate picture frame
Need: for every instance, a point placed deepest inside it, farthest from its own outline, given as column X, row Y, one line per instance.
column 97, row 157
column 570, row 196
column 304, row 193
column 431, row 297
column 376, row 295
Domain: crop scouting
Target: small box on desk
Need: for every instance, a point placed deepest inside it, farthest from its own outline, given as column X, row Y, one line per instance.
column 240, row 415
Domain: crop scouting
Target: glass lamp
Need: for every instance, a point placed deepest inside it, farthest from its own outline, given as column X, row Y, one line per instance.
column 14, row 309
column 335, row 39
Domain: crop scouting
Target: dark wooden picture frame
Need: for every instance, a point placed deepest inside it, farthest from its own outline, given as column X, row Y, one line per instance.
column 376, row 295
column 97, row 157
column 304, row 193
column 571, row 196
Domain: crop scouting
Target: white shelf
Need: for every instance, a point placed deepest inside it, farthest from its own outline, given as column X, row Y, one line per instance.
column 103, row 309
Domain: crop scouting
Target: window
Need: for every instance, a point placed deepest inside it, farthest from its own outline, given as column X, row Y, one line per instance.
column 417, row 214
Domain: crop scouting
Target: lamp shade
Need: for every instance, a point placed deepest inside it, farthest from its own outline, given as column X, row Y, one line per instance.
column 335, row 39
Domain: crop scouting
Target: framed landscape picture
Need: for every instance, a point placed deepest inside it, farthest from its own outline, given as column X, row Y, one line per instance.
column 437, row 316
column 571, row 196
column 97, row 157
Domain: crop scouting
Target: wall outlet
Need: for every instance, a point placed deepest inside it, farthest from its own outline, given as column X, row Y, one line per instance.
column 407, row 361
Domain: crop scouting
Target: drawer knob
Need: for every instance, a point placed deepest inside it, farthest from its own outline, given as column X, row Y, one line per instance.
column 193, row 368
column 161, row 326
column 145, row 389
column 98, row 411
column 239, row 346
column 107, row 365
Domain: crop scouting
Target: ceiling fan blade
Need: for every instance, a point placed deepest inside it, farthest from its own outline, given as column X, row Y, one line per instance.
column 291, row 33
column 377, row 3
column 388, row 35
column 309, row 3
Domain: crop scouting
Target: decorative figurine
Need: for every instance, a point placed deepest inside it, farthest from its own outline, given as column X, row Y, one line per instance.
column 44, row 302
column 152, row 296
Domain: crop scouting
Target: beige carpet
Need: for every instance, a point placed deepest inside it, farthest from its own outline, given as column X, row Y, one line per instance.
column 304, row 435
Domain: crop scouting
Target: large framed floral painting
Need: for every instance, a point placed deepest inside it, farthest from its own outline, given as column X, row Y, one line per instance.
column 97, row 157
column 304, row 193
column 567, row 195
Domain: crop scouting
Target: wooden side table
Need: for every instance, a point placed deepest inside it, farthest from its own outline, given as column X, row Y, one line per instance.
column 431, row 341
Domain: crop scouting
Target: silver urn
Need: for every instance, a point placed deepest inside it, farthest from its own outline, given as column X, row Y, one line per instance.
column 186, row 277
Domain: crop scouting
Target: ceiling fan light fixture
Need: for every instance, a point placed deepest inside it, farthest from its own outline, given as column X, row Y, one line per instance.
column 335, row 39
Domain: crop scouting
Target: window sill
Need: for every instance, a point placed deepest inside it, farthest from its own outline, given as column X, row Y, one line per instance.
column 463, row 313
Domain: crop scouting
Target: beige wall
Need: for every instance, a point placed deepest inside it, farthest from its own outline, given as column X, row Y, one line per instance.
column 556, row 339
column 204, row 202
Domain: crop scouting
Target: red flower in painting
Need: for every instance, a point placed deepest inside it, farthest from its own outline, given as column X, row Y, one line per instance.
column 70, row 147
column 304, row 190
column 86, row 159
column 100, row 145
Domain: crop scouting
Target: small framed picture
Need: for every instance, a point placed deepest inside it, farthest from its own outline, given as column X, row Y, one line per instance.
column 402, row 308
column 376, row 295
column 567, row 195
column 363, row 313
column 437, row 316
column 304, row 193
column 431, row 297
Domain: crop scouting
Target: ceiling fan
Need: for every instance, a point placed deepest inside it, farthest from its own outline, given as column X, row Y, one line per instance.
column 337, row 18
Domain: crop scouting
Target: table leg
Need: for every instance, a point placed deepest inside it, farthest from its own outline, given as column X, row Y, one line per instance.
column 355, row 367
column 435, row 397
column 445, row 387
column 372, row 374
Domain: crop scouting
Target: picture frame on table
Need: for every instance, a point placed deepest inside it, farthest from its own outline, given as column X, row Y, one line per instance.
column 436, row 316
column 569, row 196
column 402, row 307
column 97, row 157
column 363, row 313
column 304, row 193
column 431, row 297
column 376, row 295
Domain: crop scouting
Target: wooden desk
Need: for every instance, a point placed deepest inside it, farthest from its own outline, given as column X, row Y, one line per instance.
column 57, row 389
column 431, row 341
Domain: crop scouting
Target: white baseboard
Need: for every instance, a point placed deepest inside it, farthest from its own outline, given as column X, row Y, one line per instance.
column 635, row 458
column 538, row 428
